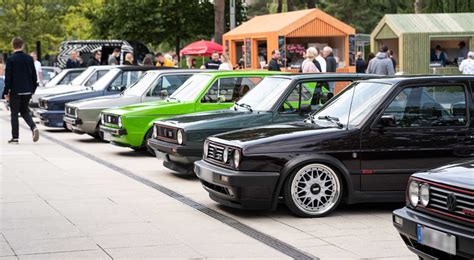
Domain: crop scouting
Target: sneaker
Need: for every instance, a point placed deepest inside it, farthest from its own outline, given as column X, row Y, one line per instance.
column 36, row 134
column 13, row 141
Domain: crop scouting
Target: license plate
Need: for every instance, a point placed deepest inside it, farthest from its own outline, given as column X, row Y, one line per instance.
column 436, row 239
column 107, row 136
column 162, row 156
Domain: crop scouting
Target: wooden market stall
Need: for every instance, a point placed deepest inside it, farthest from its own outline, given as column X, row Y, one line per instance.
column 291, row 33
column 413, row 38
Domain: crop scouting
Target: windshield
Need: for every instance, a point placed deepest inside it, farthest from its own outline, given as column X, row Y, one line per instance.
column 191, row 88
column 55, row 80
column 81, row 78
column 353, row 105
column 265, row 94
column 104, row 81
column 141, row 85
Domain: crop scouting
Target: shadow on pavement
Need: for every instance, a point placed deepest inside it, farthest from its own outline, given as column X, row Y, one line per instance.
column 131, row 153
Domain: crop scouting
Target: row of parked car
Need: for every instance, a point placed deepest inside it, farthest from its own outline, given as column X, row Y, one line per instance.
column 256, row 138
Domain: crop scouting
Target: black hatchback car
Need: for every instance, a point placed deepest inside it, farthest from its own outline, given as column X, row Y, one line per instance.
column 438, row 220
column 361, row 146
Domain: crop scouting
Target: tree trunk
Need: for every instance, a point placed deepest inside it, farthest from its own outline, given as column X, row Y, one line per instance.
column 418, row 6
column 280, row 6
column 290, row 5
column 219, row 8
column 311, row 4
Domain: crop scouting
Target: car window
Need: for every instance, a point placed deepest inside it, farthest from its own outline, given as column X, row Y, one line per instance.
column 69, row 77
column 167, row 85
column 292, row 104
column 133, row 76
column 230, row 89
column 96, row 76
column 424, row 106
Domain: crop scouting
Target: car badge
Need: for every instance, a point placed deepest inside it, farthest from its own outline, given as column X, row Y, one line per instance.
column 451, row 202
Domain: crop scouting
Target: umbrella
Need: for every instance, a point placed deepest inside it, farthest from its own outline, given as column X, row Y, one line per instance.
column 201, row 48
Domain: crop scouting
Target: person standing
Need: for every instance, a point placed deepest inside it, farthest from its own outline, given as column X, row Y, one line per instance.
column 321, row 61
column 308, row 65
column 73, row 61
column 38, row 68
column 467, row 65
column 360, row 63
column 274, row 64
column 225, row 63
column 161, row 61
column 128, row 59
column 214, row 63
column 95, row 61
column 148, row 60
column 439, row 56
column 463, row 51
column 331, row 63
column 394, row 61
column 20, row 83
column 113, row 57
column 381, row 64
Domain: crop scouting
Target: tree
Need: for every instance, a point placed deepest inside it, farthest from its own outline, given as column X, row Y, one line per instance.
column 311, row 4
column 418, row 6
column 290, row 6
column 280, row 6
column 219, row 19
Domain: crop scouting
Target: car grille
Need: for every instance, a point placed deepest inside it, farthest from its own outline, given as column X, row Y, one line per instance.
column 111, row 119
column 216, row 152
column 441, row 202
column 70, row 111
column 166, row 133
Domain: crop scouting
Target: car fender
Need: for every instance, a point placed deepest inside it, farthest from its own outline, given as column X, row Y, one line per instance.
column 300, row 161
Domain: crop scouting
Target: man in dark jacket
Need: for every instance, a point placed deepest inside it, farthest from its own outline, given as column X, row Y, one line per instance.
column 360, row 63
column 20, row 83
column 95, row 61
column 214, row 63
column 274, row 64
column 73, row 61
column 331, row 63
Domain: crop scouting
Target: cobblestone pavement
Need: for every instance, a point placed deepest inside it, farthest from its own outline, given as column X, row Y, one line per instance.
column 69, row 196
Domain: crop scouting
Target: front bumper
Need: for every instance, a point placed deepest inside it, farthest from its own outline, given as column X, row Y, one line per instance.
column 408, row 231
column 116, row 133
column 72, row 123
column 246, row 190
column 176, row 157
column 50, row 118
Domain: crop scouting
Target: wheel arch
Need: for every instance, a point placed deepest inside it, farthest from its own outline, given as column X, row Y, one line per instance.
column 300, row 161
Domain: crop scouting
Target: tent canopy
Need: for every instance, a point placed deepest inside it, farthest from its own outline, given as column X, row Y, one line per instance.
column 201, row 48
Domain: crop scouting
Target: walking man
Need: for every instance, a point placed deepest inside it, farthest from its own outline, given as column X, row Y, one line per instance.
column 381, row 64
column 20, row 83
column 73, row 61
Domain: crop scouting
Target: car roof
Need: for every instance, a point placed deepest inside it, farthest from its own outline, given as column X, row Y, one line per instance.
column 141, row 68
column 177, row 71
column 242, row 72
column 419, row 78
column 303, row 76
column 75, row 69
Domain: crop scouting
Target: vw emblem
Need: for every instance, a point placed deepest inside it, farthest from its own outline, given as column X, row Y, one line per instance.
column 451, row 202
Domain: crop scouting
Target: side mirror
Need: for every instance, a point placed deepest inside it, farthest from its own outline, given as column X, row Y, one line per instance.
column 325, row 97
column 221, row 98
column 122, row 88
column 387, row 121
column 164, row 93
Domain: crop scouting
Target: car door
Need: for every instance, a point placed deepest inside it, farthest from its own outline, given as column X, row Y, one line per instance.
column 226, row 91
column 94, row 77
column 426, row 125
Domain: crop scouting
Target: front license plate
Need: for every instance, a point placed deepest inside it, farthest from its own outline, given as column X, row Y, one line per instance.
column 436, row 239
column 107, row 136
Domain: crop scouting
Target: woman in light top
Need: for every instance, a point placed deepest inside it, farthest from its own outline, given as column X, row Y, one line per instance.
column 308, row 65
column 225, row 63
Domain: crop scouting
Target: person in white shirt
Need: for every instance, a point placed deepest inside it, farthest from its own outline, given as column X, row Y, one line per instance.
column 39, row 71
column 467, row 65
column 322, row 61
column 224, row 63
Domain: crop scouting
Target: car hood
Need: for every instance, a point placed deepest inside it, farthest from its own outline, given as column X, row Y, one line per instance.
column 460, row 174
column 285, row 136
column 73, row 96
column 218, row 119
column 60, row 89
column 105, row 102
column 148, row 108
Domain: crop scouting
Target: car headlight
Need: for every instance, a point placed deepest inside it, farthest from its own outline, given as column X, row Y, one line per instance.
column 414, row 193
column 180, row 136
column 102, row 119
column 206, row 147
column 225, row 155
column 119, row 122
column 154, row 134
column 75, row 112
column 236, row 158
column 425, row 194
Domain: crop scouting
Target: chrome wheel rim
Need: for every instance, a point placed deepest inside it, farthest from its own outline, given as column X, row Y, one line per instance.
column 315, row 189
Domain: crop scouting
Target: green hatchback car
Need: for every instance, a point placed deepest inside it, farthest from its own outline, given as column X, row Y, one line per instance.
column 131, row 126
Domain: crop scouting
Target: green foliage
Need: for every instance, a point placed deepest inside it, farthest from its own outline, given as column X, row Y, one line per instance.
column 451, row 6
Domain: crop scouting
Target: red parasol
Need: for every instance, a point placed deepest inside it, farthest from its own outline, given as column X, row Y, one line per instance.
column 201, row 48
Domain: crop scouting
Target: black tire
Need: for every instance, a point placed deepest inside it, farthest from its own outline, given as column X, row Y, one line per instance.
column 145, row 142
column 305, row 186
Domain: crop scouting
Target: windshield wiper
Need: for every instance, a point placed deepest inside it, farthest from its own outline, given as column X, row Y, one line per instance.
column 331, row 119
column 311, row 119
column 170, row 98
column 247, row 106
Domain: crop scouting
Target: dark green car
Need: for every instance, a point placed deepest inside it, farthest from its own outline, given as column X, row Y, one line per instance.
column 178, row 141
